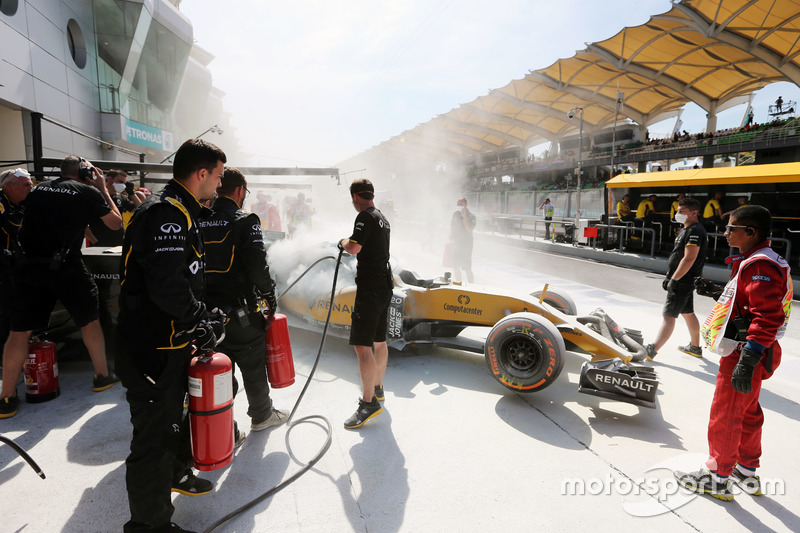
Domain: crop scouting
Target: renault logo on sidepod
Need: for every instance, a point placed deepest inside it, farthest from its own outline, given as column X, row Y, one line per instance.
column 463, row 299
column 170, row 227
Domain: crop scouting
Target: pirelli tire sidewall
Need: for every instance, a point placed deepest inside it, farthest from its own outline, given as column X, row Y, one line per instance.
column 524, row 352
column 558, row 299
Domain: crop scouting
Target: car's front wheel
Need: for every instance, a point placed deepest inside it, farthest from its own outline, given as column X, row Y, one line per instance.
column 524, row 352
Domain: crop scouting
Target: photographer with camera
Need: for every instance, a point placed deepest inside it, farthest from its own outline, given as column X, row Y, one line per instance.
column 126, row 200
column 51, row 268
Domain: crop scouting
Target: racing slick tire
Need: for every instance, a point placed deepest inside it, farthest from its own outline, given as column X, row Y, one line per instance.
column 558, row 299
column 524, row 352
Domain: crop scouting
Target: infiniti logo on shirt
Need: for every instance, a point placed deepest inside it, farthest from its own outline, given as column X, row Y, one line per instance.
column 170, row 227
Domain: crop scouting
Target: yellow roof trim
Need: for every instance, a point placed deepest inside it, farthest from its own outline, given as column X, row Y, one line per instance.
column 744, row 175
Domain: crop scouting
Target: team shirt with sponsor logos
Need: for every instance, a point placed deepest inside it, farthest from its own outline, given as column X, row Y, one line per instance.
column 371, row 231
column 56, row 215
column 694, row 235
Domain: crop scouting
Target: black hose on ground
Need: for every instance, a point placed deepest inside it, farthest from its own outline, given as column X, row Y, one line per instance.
column 17, row 448
column 289, row 423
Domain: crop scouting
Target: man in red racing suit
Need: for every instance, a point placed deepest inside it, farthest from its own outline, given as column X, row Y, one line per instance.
column 744, row 327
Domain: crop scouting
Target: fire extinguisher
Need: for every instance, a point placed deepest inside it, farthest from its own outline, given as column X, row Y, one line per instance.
column 41, row 372
column 211, row 410
column 280, row 365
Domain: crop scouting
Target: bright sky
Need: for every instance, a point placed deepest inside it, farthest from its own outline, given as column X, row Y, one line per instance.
column 312, row 83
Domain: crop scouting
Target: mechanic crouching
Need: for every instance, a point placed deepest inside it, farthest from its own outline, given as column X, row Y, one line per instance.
column 161, row 320
column 237, row 275
column 51, row 268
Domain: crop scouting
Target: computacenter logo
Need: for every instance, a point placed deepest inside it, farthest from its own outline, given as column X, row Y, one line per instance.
column 657, row 492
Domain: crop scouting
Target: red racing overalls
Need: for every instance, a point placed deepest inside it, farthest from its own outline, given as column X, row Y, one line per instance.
column 762, row 292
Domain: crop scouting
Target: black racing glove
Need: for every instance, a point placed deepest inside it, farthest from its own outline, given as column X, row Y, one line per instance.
column 204, row 337
column 272, row 302
column 665, row 282
column 708, row 288
column 742, row 379
column 217, row 320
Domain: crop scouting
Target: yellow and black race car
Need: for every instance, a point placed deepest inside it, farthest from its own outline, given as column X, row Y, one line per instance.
column 527, row 335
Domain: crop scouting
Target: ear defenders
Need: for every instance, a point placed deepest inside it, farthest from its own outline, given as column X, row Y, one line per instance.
column 749, row 232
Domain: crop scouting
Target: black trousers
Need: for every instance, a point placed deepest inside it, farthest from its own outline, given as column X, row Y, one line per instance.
column 5, row 303
column 160, row 447
column 246, row 347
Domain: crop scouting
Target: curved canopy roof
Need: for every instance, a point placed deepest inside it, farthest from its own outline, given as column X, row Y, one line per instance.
column 710, row 52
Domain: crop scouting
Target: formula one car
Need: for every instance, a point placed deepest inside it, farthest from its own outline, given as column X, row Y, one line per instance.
column 527, row 335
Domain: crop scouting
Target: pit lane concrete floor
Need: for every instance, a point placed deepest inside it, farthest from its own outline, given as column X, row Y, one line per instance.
column 453, row 450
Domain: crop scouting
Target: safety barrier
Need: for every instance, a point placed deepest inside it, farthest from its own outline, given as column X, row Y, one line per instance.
column 624, row 229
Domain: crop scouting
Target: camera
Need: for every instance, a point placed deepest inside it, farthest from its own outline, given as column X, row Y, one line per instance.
column 571, row 114
column 85, row 173
column 129, row 188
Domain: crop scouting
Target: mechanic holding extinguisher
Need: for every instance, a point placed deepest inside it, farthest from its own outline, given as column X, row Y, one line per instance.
column 161, row 320
column 237, row 277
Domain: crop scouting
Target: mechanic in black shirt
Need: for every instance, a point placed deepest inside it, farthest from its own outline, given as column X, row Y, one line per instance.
column 100, row 235
column 161, row 317
column 51, row 268
column 685, row 263
column 370, row 241
column 16, row 184
column 237, row 276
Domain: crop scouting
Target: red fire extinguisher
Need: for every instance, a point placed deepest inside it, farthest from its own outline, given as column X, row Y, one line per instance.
column 280, row 365
column 41, row 372
column 211, row 410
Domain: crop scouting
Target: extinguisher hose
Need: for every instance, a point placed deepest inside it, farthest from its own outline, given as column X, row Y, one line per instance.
column 290, row 422
column 16, row 447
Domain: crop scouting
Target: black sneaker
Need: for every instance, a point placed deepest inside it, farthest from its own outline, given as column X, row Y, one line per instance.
column 365, row 411
column 191, row 485
column 702, row 482
column 101, row 383
column 750, row 484
column 692, row 350
column 650, row 351
column 8, row 406
column 379, row 393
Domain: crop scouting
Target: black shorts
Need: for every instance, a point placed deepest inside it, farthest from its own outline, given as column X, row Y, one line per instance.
column 680, row 299
column 369, row 319
column 36, row 288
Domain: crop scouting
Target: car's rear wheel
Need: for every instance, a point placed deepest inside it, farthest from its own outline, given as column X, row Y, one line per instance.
column 524, row 352
column 558, row 299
